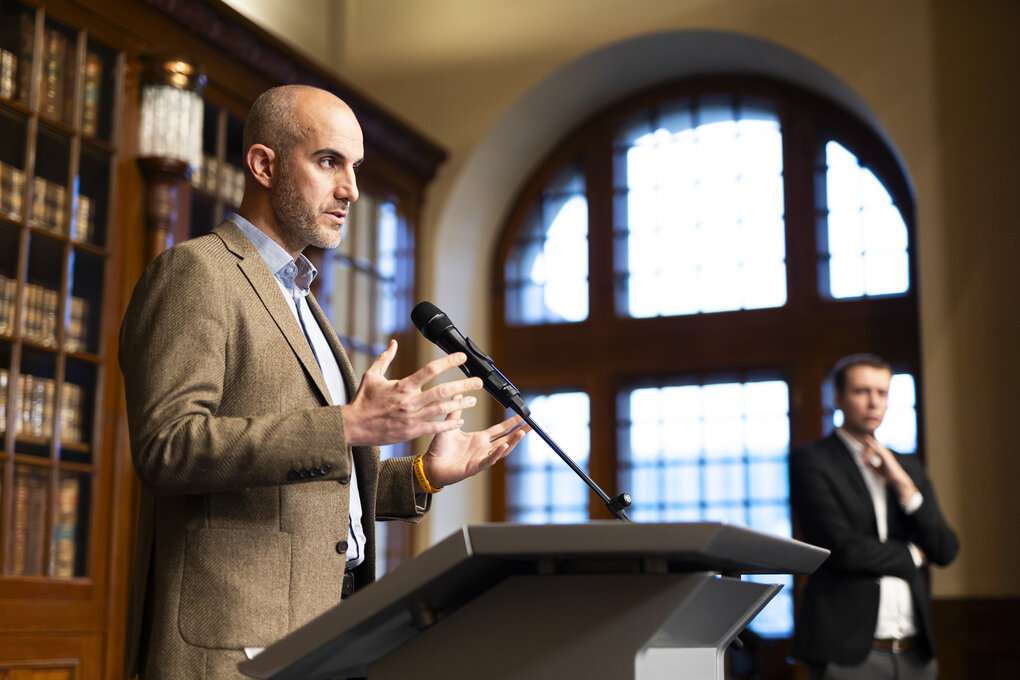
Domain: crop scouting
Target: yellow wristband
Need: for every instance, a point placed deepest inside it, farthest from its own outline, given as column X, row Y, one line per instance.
column 419, row 473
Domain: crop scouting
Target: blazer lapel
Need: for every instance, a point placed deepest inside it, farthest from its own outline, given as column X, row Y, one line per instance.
column 346, row 369
column 264, row 283
column 847, row 470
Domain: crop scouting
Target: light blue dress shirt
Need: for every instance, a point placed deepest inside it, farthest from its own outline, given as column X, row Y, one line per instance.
column 294, row 279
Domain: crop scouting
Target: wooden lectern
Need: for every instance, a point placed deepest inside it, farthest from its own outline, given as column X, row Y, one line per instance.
column 597, row 600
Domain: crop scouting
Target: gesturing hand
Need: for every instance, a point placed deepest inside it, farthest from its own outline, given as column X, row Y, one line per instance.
column 454, row 455
column 881, row 459
column 387, row 411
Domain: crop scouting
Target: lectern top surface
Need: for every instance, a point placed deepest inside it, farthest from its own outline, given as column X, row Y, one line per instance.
column 695, row 546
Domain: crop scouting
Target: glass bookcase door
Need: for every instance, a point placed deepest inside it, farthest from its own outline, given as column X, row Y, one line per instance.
column 13, row 133
column 92, row 195
column 59, row 94
column 17, row 37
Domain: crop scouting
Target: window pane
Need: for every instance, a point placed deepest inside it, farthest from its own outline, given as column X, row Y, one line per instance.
column 541, row 488
column 711, row 452
column 862, row 236
column 699, row 209
column 547, row 270
column 370, row 279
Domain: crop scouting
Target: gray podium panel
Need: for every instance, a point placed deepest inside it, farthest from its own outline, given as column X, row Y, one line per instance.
column 647, row 627
column 650, row 598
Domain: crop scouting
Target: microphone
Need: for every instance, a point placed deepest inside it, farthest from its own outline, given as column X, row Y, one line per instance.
column 438, row 329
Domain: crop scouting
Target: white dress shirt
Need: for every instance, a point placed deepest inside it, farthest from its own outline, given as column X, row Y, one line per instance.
column 895, row 605
column 295, row 279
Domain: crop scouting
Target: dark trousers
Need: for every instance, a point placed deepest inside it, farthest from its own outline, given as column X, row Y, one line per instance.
column 880, row 665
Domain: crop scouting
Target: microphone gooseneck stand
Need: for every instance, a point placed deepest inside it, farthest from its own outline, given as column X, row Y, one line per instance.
column 617, row 506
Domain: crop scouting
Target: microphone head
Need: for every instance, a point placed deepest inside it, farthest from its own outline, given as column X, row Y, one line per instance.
column 429, row 320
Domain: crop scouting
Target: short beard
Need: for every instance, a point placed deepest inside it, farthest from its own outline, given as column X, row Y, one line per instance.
column 296, row 219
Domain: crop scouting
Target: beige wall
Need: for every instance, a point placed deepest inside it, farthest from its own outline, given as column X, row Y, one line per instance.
column 490, row 82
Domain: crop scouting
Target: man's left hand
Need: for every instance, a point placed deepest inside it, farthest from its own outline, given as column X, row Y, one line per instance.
column 456, row 455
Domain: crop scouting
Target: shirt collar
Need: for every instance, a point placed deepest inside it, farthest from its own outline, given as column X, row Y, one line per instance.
column 856, row 447
column 297, row 276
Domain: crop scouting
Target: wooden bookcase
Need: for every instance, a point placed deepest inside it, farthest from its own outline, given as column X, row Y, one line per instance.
column 60, row 94
column 74, row 237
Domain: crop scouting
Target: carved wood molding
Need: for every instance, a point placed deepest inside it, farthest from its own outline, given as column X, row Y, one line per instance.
column 232, row 34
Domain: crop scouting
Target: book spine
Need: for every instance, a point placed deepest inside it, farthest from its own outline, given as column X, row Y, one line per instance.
column 29, row 319
column 7, row 292
column 37, row 408
column 35, row 522
column 19, row 396
column 211, row 173
column 70, row 414
column 46, row 408
column 49, row 318
column 25, row 60
column 8, row 74
column 20, row 525
column 12, row 190
column 91, row 94
column 54, row 55
column 39, row 186
column 198, row 174
column 30, row 502
column 65, row 529
column 55, row 210
column 3, row 399
column 83, row 219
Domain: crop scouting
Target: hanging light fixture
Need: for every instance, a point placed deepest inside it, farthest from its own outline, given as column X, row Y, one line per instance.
column 170, row 124
column 169, row 142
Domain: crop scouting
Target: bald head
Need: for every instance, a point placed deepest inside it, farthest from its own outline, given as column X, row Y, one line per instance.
column 280, row 116
column 303, row 146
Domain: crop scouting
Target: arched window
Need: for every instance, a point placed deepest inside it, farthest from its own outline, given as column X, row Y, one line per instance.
column 672, row 286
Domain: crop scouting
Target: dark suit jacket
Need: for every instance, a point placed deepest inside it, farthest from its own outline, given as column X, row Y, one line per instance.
column 243, row 461
column 832, row 506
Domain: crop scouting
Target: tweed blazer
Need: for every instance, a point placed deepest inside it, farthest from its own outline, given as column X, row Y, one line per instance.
column 243, row 461
column 833, row 508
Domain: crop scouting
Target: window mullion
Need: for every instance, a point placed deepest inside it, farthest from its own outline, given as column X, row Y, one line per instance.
column 799, row 154
column 598, row 173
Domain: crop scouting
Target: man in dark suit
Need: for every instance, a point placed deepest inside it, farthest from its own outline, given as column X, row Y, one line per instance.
column 865, row 613
column 256, row 446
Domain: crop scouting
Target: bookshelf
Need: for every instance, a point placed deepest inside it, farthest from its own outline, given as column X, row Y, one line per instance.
column 58, row 89
column 60, row 92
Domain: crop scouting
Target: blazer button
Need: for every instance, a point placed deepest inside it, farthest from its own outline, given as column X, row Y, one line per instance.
column 345, row 480
column 304, row 473
column 325, row 468
column 293, row 475
column 341, row 547
column 313, row 472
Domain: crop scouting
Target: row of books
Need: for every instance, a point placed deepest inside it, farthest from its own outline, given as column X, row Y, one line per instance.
column 12, row 191
column 33, row 408
column 8, row 74
column 41, row 318
column 48, row 203
column 58, row 71
column 31, row 501
column 223, row 180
